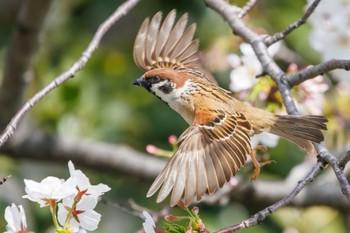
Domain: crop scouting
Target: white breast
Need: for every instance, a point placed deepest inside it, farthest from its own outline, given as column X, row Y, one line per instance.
column 178, row 99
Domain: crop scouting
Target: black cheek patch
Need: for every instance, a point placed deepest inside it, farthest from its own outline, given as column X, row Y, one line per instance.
column 166, row 88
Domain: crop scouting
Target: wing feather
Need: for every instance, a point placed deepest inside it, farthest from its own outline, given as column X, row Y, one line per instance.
column 174, row 36
column 202, row 178
column 151, row 39
column 231, row 157
column 140, row 43
column 182, row 43
column 168, row 180
column 222, row 155
column 168, row 45
column 238, row 152
column 190, row 50
column 220, row 164
column 209, row 154
column 191, row 180
column 164, row 34
column 180, row 182
column 212, row 180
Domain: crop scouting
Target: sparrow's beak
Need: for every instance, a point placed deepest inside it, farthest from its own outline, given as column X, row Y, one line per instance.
column 142, row 82
column 139, row 82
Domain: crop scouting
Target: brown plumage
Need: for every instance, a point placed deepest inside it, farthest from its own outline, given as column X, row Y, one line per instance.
column 217, row 143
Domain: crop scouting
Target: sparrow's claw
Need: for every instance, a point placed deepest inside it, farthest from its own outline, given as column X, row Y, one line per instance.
column 256, row 163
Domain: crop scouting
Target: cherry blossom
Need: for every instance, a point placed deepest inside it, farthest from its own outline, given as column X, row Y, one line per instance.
column 82, row 183
column 79, row 215
column 50, row 189
column 76, row 211
column 16, row 219
column 247, row 67
column 330, row 32
column 148, row 225
column 266, row 139
column 311, row 96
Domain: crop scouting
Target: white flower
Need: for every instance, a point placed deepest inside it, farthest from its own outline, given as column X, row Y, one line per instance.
column 265, row 139
column 148, row 225
column 330, row 34
column 234, row 60
column 243, row 76
column 82, row 182
column 312, row 95
column 80, row 205
column 49, row 189
column 82, row 215
column 16, row 219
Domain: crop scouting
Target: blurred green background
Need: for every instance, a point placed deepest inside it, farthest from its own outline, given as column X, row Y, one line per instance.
column 100, row 103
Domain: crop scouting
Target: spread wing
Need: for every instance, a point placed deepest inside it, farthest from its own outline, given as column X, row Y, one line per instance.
column 210, row 151
column 165, row 45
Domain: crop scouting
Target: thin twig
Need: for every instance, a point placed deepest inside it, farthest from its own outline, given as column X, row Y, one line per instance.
column 280, row 35
column 127, row 208
column 343, row 161
column 313, row 71
column 246, row 8
column 136, row 210
column 261, row 215
column 70, row 73
column 4, row 179
column 338, row 171
column 100, row 156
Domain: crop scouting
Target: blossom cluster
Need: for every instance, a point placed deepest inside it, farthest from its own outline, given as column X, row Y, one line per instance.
column 310, row 94
column 247, row 67
column 330, row 32
column 75, row 199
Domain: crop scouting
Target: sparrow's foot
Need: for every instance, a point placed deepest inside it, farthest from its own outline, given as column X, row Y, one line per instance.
column 256, row 163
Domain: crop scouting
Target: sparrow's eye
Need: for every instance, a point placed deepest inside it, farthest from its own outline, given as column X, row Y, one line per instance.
column 154, row 79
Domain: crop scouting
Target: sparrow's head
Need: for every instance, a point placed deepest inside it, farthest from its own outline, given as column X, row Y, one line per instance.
column 164, row 83
column 168, row 54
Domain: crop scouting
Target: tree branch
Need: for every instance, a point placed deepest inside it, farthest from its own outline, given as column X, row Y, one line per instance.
column 281, row 35
column 262, row 193
column 313, row 71
column 8, row 12
column 29, row 144
column 97, row 155
column 127, row 208
column 270, row 67
column 343, row 161
column 261, row 215
column 70, row 73
column 275, row 72
column 339, row 172
column 246, row 8
column 124, row 160
column 21, row 49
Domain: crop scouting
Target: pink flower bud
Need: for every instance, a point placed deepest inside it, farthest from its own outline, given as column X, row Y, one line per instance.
column 195, row 210
column 292, row 68
column 172, row 139
column 171, row 218
column 181, row 204
column 189, row 230
column 151, row 149
column 233, row 181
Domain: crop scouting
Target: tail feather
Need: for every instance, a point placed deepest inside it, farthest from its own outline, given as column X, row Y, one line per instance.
column 300, row 129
